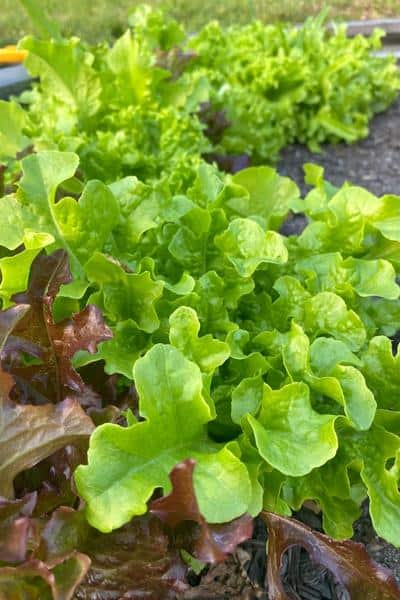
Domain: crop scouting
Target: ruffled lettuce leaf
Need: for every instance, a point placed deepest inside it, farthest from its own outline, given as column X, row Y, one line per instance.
column 139, row 457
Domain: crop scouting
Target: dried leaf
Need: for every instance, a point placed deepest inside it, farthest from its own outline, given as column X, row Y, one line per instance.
column 348, row 561
column 210, row 543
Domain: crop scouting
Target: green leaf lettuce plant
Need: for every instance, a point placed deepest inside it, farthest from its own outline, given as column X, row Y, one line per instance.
column 157, row 99
column 262, row 357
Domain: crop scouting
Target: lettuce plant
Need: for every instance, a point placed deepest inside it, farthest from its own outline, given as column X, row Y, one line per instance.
column 152, row 304
column 280, row 84
column 157, row 99
column 263, row 358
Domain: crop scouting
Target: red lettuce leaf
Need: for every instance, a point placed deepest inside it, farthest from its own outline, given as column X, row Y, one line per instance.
column 230, row 163
column 215, row 122
column 348, row 561
column 137, row 561
column 65, row 531
column 29, row 434
column 51, row 479
column 50, row 566
column 209, row 543
column 174, row 60
column 54, row 344
column 16, row 527
column 35, row 580
column 8, row 320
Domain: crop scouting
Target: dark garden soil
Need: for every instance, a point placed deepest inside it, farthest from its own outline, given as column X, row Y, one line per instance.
column 373, row 163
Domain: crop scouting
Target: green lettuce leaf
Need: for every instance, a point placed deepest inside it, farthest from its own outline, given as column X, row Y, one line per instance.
column 371, row 452
column 124, row 295
column 381, row 370
column 65, row 68
column 246, row 246
column 269, row 196
column 13, row 120
column 289, row 434
column 206, row 352
column 127, row 464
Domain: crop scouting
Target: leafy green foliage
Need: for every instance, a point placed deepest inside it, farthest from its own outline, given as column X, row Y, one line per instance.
column 253, row 354
column 145, row 292
column 170, row 392
column 278, row 84
column 127, row 101
column 12, row 122
column 158, row 99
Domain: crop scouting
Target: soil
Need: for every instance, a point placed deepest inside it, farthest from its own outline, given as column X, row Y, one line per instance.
column 372, row 163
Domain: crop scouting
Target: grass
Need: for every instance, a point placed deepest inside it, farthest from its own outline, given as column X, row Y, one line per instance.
column 99, row 19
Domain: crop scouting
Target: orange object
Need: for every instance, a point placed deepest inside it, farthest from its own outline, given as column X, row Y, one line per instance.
column 10, row 55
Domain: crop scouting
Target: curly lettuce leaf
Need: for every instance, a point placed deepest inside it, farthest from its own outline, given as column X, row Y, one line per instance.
column 289, row 434
column 139, row 457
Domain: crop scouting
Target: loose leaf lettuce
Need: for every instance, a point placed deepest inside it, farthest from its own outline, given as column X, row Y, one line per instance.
column 13, row 120
column 262, row 358
column 246, row 246
column 51, row 377
column 158, row 99
column 289, row 435
column 140, row 456
column 35, row 579
column 267, row 366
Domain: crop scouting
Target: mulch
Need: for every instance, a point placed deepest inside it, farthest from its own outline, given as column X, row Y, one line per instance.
column 373, row 163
